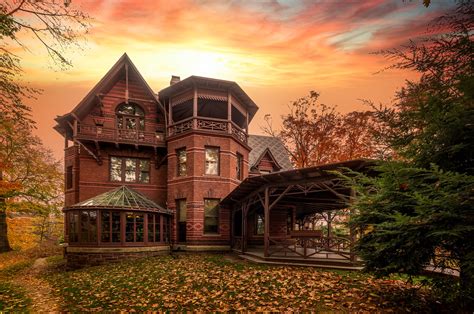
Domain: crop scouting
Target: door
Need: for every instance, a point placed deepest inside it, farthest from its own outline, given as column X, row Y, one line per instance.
column 181, row 209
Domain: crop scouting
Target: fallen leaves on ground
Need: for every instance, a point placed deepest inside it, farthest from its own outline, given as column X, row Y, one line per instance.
column 213, row 283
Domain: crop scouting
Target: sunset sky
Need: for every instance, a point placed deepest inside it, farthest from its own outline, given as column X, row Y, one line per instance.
column 276, row 51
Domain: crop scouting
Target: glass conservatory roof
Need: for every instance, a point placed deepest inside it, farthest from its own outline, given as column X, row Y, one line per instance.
column 120, row 198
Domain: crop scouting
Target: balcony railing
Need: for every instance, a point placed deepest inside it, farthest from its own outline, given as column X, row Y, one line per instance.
column 208, row 124
column 93, row 132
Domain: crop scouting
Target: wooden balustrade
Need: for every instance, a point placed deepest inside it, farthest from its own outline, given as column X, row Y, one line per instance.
column 94, row 132
column 306, row 247
column 208, row 124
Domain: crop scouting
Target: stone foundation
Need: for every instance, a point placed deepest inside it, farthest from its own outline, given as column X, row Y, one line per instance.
column 78, row 257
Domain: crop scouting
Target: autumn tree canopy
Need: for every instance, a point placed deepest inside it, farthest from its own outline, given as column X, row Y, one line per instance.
column 315, row 133
column 54, row 25
column 27, row 170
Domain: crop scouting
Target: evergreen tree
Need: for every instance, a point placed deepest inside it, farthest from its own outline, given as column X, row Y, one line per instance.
column 420, row 210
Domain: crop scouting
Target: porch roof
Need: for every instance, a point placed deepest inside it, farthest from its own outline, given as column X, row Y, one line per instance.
column 122, row 197
column 308, row 189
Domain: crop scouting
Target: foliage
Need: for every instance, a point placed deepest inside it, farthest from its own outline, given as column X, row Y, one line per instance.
column 31, row 180
column 217, row 283
column 432, row 120
column 421, row 211
column 316, row 134
column 55, row 26
column 412, row 217
column 28, row 231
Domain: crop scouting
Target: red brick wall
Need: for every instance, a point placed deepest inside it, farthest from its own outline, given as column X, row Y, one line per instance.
column 90, row 178
column 196, row 185
column 278, row 226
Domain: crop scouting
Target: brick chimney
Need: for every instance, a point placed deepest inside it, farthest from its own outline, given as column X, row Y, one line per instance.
column 174, row 79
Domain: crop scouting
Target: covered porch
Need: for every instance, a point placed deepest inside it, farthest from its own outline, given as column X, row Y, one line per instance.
column 295, row 216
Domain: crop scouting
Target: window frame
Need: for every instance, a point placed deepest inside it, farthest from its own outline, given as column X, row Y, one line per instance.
column 179, row 163
column 75, row 227
column 121, row 118
column 239, row 169
column 217, row 217
column 206, row 148
column 135, row 214
column 123, row 169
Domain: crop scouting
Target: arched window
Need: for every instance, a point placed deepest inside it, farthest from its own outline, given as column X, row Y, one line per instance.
column 130, row 117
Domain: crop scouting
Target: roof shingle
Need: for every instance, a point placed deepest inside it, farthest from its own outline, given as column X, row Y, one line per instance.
column 260, row 143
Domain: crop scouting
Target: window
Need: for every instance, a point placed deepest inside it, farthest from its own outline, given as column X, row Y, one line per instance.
column 110, row 227
column 124, row 169
column 154, row 228
column 83, row 226
column 259, row 224
column 212, row 160
column 134, row 226
column 181, row 155
column 130, row 117
column 69, row 178
column 73, row 227
column 239, row 169
column 211, row 215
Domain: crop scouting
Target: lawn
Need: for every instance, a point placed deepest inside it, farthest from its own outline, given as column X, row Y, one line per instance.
column 221, row 283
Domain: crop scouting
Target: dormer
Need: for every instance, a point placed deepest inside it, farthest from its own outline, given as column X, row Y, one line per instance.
column 268, row 155
column 207, row 105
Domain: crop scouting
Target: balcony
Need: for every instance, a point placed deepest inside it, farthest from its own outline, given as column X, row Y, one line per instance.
column 137, row 137
column 208, row 125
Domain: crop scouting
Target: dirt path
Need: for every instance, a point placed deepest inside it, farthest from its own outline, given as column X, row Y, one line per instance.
column 37, row 289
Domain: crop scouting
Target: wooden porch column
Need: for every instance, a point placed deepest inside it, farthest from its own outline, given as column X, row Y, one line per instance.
column 75, row 128
column 266, row 233
column 244, row 228
column 162, row 236
column 229, row 113
column 195, row 107
column 247, row 123
column 351, row 230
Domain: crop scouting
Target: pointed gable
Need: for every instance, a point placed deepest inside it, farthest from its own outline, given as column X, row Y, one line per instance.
column 270, row 151
column 122, row 82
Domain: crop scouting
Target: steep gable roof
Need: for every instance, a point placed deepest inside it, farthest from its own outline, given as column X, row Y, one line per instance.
column 110, row 78
column 262, row 144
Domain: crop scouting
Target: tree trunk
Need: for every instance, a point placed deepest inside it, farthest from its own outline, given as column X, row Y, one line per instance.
column 4, row 244
column 467, row 286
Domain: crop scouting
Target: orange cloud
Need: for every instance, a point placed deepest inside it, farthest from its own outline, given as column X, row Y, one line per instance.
column 276, row 50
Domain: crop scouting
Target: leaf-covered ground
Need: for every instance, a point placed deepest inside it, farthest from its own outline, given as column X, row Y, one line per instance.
column 20, row 287
column 222, row 283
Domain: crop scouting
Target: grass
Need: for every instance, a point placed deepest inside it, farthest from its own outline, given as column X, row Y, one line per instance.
column 217, row 283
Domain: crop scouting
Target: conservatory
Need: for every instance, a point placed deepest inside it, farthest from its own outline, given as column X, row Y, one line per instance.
column 117, row 224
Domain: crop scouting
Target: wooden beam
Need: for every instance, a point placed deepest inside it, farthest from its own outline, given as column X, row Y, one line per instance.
column 126, row 83
column 97, row 148
column 98, row 159
column 266, row 233
column 280, row 196
column 339, row 195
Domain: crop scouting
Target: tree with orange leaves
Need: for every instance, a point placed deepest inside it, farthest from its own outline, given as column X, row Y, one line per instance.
column 315, row 133
column 28, row 174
